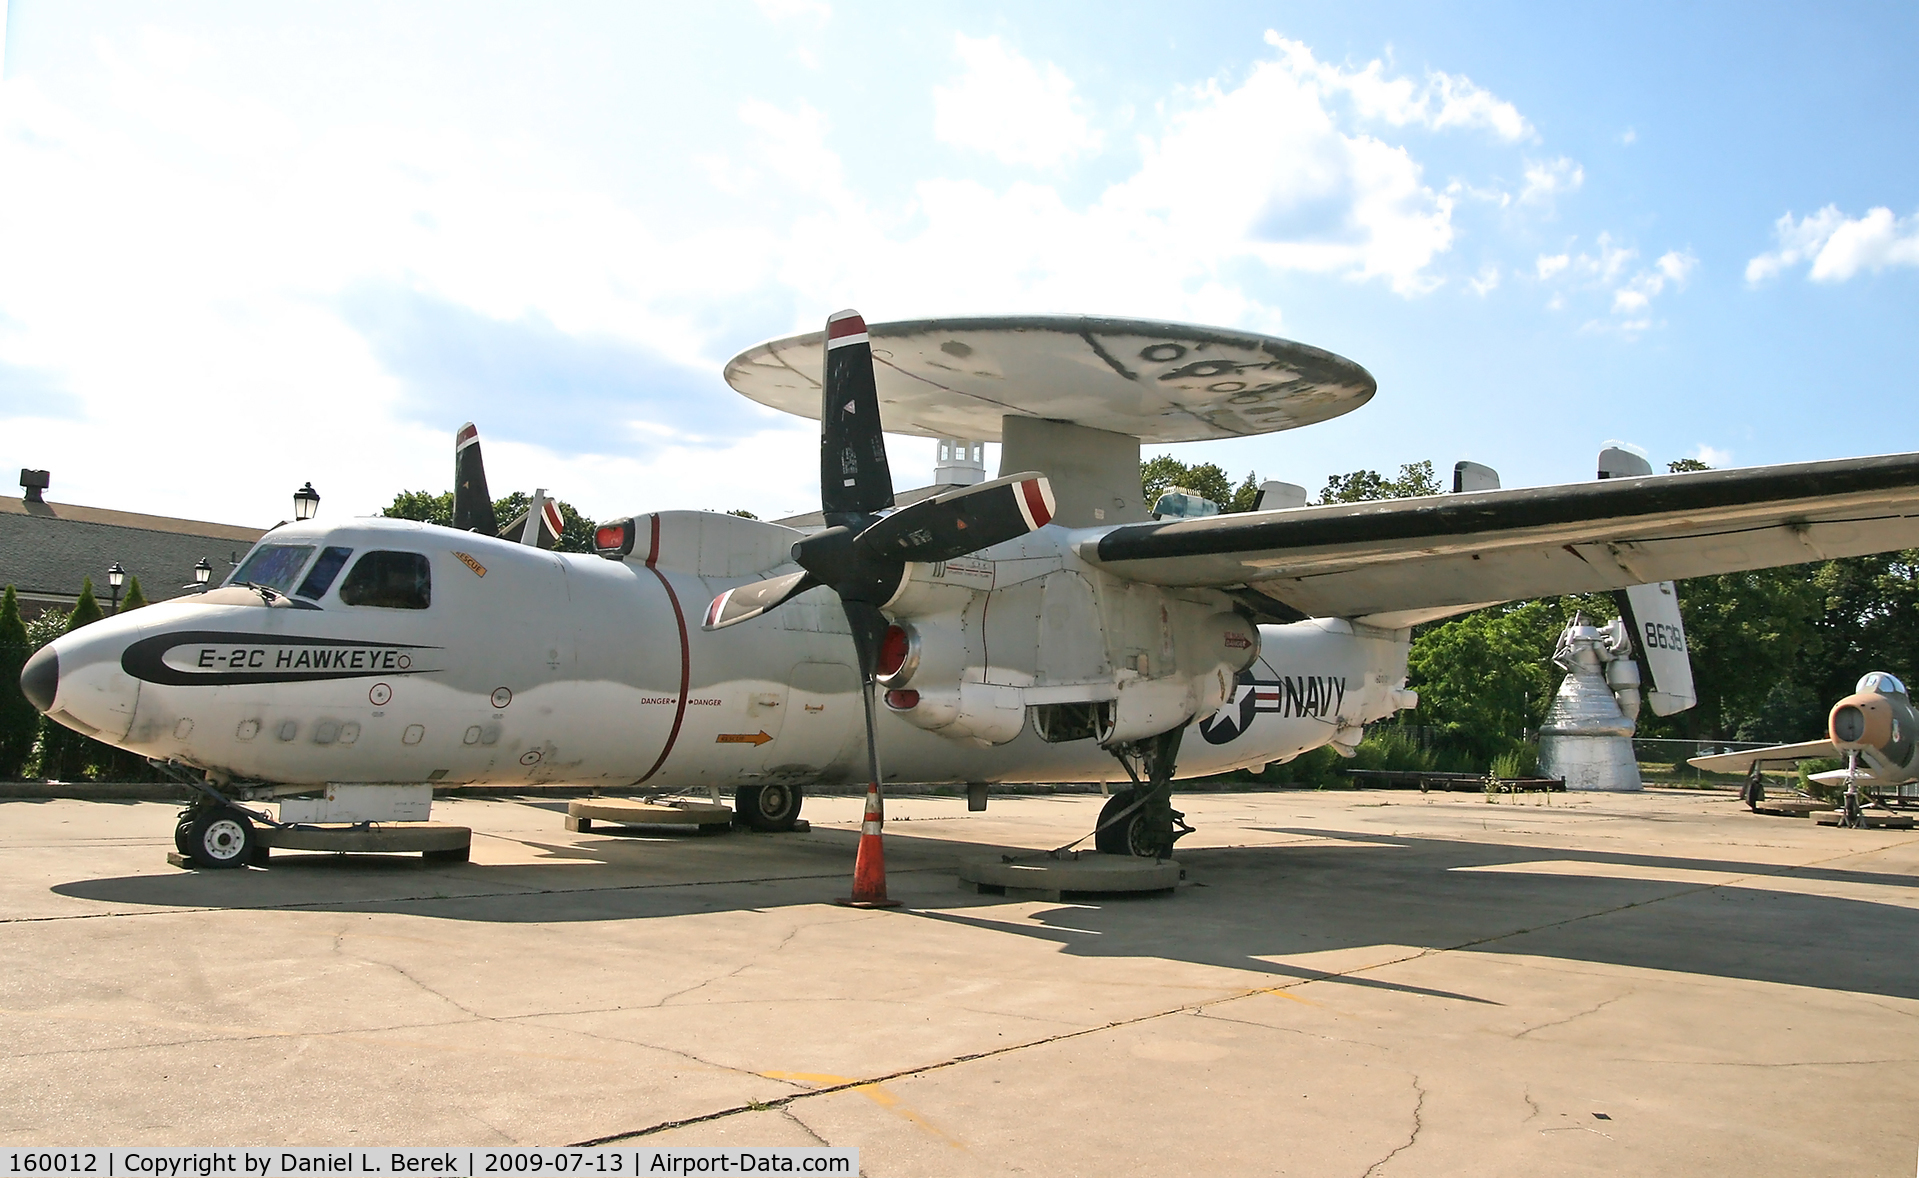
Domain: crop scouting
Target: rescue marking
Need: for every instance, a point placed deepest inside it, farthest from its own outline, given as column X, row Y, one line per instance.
column 753, row 738
column 479, row 570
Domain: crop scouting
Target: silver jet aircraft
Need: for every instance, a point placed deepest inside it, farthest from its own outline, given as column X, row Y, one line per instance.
column 1043, row 626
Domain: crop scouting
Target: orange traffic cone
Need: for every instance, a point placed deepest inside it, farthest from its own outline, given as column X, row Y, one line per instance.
column 869, row 869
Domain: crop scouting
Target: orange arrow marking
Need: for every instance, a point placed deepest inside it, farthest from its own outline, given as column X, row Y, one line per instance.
column 752, row 738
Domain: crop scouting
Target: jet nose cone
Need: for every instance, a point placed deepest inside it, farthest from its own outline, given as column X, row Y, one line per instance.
column 40, row 678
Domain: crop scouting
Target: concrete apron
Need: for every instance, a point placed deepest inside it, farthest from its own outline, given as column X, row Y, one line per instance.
column 1657, row 983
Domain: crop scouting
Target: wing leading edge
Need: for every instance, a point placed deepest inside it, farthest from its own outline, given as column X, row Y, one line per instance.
column 1778, row 756
column 1405, row 560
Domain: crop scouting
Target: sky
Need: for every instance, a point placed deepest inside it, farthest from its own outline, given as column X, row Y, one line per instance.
column 244, row 246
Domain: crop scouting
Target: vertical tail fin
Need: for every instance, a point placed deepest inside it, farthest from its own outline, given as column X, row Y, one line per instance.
column 472, row 506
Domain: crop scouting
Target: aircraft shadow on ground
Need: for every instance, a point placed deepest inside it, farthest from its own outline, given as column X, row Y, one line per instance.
column 1341, row 891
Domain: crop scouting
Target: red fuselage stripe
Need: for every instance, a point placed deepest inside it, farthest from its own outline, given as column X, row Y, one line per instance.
column 686, row 652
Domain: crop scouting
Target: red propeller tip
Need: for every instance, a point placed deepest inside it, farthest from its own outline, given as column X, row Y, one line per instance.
column 1036, row 502
column 845, row 327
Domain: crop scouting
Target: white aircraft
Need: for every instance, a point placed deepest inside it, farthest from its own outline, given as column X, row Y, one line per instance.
column 1039, row 627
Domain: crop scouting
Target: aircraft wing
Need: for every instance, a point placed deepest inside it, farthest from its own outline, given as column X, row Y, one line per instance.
column 1400, row 561
column 1782, row 755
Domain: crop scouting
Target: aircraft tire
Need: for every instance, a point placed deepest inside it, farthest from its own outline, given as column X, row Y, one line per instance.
column 1125, row 837
column 183, row 835
column 221, row 837
column 767, row 807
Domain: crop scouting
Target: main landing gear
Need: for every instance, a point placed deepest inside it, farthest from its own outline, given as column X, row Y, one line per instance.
column 768, row 807
column 1141, row 821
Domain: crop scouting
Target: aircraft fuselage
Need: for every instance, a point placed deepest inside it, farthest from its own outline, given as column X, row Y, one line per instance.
column 522, row 666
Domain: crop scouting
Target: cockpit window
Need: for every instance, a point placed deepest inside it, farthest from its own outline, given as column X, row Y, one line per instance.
column 390, row 580
column 320, row 576
column 1881, row 682
column 273, row 565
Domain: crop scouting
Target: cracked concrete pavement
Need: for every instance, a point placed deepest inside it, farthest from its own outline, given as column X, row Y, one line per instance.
column 1364, row 983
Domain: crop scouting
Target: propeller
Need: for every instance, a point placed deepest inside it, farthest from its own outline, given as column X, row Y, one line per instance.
column 862, row 555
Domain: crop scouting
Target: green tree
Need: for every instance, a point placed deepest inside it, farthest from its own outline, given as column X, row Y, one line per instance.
column 134, row 598
column 1745, row 632
column 1868, row 621
column 1207, row 480
column 1484, row 678
column 424, row 506
column 19, row 722
column 86, row 611
column 1361, row 486
column 576, row 534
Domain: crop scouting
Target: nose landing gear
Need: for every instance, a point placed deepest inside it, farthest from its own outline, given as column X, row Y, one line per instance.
column 217, row 836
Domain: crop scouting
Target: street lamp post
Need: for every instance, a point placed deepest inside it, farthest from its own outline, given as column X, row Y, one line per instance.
column 116, row 577
column 201, row 573
column 306, row 502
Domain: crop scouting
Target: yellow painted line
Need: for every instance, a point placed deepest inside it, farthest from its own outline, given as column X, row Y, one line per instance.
column 876, row 1093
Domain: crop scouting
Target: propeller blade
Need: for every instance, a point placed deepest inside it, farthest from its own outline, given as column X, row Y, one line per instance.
column 854, row 477
column 472, row 506
column 750, row 601
column 958, row 522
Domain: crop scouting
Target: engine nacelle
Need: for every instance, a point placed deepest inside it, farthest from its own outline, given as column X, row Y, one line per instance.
column 971, row 648
column 981, row 713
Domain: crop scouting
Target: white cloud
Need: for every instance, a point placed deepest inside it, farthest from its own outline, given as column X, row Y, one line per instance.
column 1712, row 456
column 1639, row 291
column 1305, row 194
column 1005, row 106
column 1628, row 137
column 1610, row 268
column 211, row 240
column 1839, row 246
column 1439, row 101
column 1552, row 178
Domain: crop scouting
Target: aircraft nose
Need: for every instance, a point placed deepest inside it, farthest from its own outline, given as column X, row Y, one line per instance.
column 77, row 679
column 40, row 678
